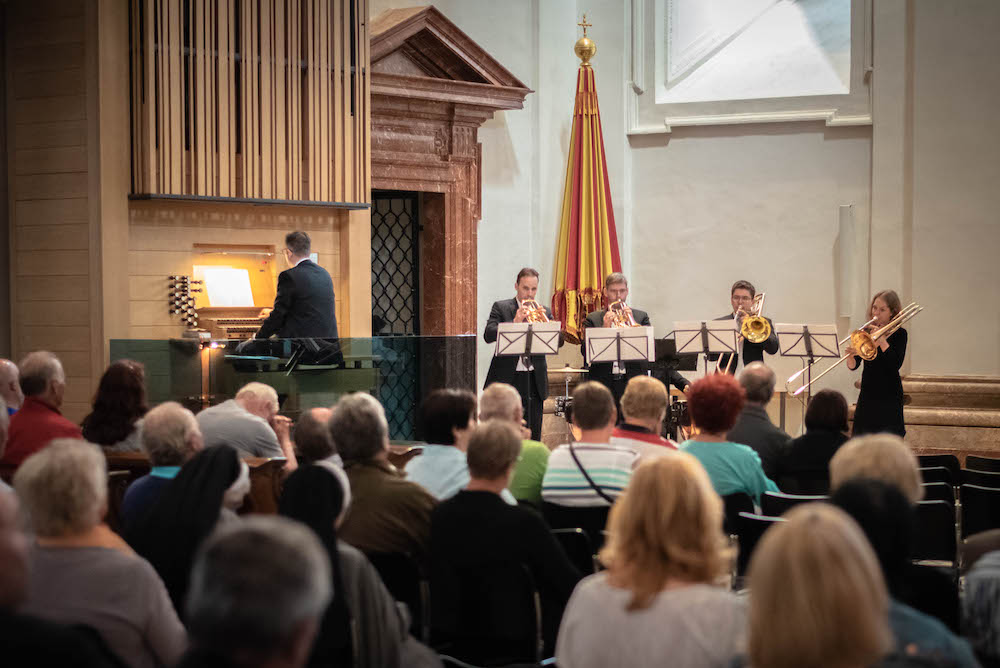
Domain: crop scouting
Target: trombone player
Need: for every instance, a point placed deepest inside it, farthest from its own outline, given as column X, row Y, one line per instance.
column 880, row 404
column 745, row 301
column 528, row 373
column 619, row 314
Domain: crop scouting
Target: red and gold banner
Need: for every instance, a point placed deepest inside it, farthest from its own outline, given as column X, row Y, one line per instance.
column 588, row 243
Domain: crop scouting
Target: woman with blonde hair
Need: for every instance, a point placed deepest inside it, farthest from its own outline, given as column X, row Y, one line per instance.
column 817, row 597
column 657, row 601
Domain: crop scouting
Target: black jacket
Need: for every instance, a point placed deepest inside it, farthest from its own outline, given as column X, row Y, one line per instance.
column 601, row 371
column 754, row 428
column 805, row 466
column 304, row 306
column 752, row 352
column 503, row 369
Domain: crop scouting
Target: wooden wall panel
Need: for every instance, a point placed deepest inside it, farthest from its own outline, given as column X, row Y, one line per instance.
column 300, row 99
column 161, row 243
column 48, row 188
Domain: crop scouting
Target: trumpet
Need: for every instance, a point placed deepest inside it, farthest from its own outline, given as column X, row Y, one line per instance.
column 621, row 316
column 866, row 343
column 536, row 313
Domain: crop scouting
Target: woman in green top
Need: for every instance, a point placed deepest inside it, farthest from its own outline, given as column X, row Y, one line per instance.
column 714, row 403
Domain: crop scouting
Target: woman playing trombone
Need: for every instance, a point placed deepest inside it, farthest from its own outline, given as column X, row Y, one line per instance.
column 880, row 404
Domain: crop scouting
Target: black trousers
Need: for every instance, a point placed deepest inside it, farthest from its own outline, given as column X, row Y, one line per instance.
column 531, row 403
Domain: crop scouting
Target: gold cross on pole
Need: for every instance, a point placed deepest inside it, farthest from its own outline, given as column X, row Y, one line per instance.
column 583, row 24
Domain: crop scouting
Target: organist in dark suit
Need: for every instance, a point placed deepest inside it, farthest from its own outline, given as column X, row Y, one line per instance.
column 304, row 305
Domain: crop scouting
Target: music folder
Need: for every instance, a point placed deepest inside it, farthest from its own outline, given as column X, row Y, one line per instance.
column 527, row 338
column 619, row 344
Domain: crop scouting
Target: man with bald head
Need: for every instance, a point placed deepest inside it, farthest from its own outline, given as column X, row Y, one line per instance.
column 39, row 420
column 754, row 428
column 10, row 386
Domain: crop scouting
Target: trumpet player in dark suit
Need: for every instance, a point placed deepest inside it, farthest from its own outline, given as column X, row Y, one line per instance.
column 742, row 295
column 528, row 373
column 610, row 374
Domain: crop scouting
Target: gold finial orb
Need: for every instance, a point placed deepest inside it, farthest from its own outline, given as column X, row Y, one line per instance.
column 585, row 48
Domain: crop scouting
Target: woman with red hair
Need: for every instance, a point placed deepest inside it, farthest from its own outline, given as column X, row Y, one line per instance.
column 714, row 403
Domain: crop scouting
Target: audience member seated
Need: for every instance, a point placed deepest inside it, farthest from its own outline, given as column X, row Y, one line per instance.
column 38, row 421
column 644, row 407
column 880, row 457
column 981, row 608
column 32, row 641
column 475, row 529
column 445, row 421
column 658, row 602
column 607, row 466
column 886, row 518
column 314, row 496
column 250, row 423
column 804, row 468
column 314, row 445
column 82, row 572
column 4, row 424
column 714, row 402
column 258, row 592
column 115, row 421
column 10, row 386
column 204, row 494
column 753, row 426
column 170, row 437
column 501, row 401
column 388, row 513
column 817, row 597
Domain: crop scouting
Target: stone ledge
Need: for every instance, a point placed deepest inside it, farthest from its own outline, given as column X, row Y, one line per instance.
column 951, row 417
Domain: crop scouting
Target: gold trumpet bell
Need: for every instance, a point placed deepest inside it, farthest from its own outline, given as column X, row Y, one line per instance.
column 535, row 311
column 621, row 317
column 755, row 329
column 863, row 342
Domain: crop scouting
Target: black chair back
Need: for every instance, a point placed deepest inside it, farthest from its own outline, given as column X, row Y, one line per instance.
column 939, row 491
column 406, row 580
column 949, row 462
column 934, row 534
column 592, row 520
column 578, row 547
column 733, row 505
column 980, row 509
column 975, row 463
column 488, row 614
column 937, row 474
column 981, row 478
column 749, row 529
column 776, row 504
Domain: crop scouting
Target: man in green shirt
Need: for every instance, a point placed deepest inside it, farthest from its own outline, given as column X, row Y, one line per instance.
column 501, row 401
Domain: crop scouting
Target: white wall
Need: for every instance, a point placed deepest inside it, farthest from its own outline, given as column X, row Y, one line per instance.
column 956, row 187
column 702, row 206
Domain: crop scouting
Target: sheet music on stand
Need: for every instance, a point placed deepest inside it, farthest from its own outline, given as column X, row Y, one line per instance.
column 619, row 344
column 808, row 342
column 516, row 339
column 709, row 337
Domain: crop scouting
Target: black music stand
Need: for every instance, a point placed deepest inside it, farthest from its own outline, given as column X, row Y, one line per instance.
column 668, row 358
column 808, row 342
column 523, row 339
column 709, row 337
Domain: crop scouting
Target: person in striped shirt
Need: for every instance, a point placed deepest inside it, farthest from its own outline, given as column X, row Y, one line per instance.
column 608, row 466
